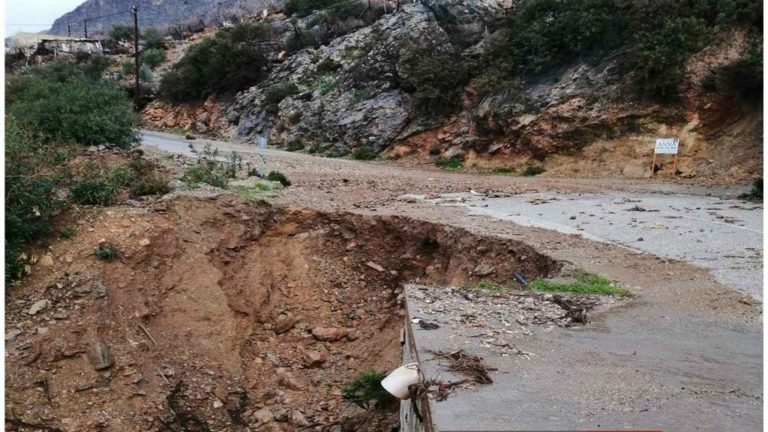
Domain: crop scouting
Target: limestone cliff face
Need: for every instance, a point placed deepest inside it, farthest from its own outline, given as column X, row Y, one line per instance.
column 156, row 13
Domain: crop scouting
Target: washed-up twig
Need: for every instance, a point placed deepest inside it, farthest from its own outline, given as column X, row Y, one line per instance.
column 163, row 376
column 513, row 348
column 443, row 389
column 148, row 334
column 467, row 364
column 577, row 313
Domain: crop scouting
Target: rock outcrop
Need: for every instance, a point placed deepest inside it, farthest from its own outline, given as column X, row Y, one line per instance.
column 349, row 93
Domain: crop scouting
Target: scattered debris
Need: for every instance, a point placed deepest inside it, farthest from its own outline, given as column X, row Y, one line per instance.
column 467, row 364
column 577, row 313
column 428, row 325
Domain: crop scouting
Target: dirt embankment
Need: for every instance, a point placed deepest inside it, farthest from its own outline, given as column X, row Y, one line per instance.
column 222, row 314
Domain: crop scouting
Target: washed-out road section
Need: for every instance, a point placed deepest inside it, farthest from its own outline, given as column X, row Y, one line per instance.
column 685, row 354
column 722, row 235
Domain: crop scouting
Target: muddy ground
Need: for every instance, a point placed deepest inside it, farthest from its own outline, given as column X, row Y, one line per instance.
column 224, row 313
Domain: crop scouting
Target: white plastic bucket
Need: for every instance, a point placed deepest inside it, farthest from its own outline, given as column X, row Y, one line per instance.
column 398, row 381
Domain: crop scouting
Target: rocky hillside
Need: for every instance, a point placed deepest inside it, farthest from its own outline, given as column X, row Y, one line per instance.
column 421, row 81
column 157, row 13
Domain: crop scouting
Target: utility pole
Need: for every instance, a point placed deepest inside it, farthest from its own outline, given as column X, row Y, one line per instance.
column 69, row 29
column 135, row 10
column 85, row 27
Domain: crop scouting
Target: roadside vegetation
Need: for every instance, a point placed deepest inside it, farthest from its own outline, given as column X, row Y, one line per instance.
column 364, row 153
column 650, row 40
column 584, row 283
column 581, row 283
column 365, row 391
column 228, row 62
column 756, row 192
column 107, row 252
column 214, row 170
column 450, row 164
column 57, row 115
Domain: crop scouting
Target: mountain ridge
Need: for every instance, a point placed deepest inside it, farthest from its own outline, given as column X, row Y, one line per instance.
column 103, row 14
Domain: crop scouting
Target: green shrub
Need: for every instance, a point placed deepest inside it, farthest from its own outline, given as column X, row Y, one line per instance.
column 532, row 170
column 277, row 176
column 658, row 56
column 93, row 191
column 744, row 80
column 146, row 179
column 154, row 184
column 303, row 8
column 32, row 179
column 207, row 169
column 153, row 39
column 652, row 39
column 128, row 67
column 59, row 71
column 275, row 93
column 364, row 153
column 233, row 165
column 756, row 193
column 204, row 173
column 227, row 62
column 435, row 150
column 326, row 84
column 152, row 57
column 434, row 78
column 326, row 66
column 145, row 74
column 366, row 387
column 121, row 175
column 342, row 18
column 452, row 163
column 68, row 231
column 299, row 40
column 107, row 252
column 294, row 145
column 584, row 283
column 75, row 110
column 120, row 33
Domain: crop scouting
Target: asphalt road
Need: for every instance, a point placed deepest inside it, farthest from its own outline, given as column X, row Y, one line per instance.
column 722, row 235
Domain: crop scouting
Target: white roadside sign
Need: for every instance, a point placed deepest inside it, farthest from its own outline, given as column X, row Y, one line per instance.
column 667, row 146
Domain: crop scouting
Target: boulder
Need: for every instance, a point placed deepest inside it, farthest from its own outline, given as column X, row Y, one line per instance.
column 636, row 171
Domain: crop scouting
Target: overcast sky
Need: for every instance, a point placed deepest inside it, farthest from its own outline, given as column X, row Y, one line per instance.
column 34, row 15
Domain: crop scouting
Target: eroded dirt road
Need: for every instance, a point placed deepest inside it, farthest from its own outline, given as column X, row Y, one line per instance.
column 224, row 313
column 686, row 354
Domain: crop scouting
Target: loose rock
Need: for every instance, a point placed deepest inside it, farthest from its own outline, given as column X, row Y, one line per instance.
column 315, row 358
column 38, row 306
column 329, row 334
column 100, row 356
column 264, row 415
column 284, row 323
column 297, row 419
